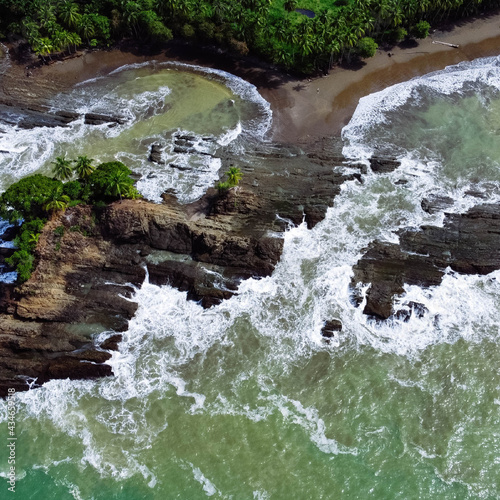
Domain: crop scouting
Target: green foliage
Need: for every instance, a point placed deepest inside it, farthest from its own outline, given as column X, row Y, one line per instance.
column 58, row 203
column 34, row 198
column 112, row 180
column 73, row 190
column 222, row 187
column 83, row 167
column 234, row 176
column 397, row 34
column 367, row 47
column 62, row 169
column 28, row 197
column 22, row 261
column 267, row 28
column 421, row 29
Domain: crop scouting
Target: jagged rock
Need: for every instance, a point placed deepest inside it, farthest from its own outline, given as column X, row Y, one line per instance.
column 98, row 119
column 111, row 343
column 183, row 143
column 410, row 309
column 6, row 251
column 67, row 116
column 382, row 164
column 206, row 248
column 32, row 350
column 330, row 328
column 436, row 203
column 180, row 167
column 469, row 243
column 10, row 233
column 155, row 155
column 387, row 268
column 185, row 137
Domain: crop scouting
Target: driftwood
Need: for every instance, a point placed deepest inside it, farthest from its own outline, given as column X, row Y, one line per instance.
column 447, row 44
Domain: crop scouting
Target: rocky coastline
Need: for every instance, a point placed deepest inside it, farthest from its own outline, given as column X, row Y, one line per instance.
column 88, row 261
column 86, row 273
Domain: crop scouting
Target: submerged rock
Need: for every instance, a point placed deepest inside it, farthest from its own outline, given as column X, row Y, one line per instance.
column 155, row 155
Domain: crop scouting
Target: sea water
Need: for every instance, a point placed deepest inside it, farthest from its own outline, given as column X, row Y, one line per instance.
column 246, row 401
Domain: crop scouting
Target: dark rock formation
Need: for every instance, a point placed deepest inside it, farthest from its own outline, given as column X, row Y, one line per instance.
column 330, row 328
column 467, row 243
column 29, row 118
column 436, row 203
column 410, row 309
column 83, row 278
column 155, row 155
column 382, row 164
column 98, row 119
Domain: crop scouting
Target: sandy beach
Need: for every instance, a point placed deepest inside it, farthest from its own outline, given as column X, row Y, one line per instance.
column 304, row 110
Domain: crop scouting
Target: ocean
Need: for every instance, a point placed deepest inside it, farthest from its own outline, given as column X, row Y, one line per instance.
column 246, row 400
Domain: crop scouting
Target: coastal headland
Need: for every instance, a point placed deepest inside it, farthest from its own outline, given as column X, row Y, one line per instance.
column 208, row 247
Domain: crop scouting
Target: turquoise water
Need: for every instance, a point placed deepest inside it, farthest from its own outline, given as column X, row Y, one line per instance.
column 246, row 401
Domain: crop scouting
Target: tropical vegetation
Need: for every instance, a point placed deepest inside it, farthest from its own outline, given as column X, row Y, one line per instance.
column 234, row 177
column 33, row 200
column 279, row 31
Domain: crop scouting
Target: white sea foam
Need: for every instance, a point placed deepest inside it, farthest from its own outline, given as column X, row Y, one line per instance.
column 208, row 487
column 373, row 109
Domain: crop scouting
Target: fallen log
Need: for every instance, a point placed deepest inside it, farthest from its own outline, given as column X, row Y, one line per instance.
column 447, row 44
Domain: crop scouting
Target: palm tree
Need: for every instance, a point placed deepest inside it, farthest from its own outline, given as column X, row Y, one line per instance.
column 62, row 169
column 68, row 13
column 74, row 40
column 119, row 184
column 290, row 5
column 234, row 176
column 83, row 167
column 86, row 27
column 43, row 47
column 57, row 202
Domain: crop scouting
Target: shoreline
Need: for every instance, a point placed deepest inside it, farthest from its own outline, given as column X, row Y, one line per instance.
column 305, row 110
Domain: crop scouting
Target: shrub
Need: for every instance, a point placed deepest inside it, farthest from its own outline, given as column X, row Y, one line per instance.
column 26, row 198
column 73, row 189
column 110, row 181
column 367, row 47
column 22, row 261
column 421, row 29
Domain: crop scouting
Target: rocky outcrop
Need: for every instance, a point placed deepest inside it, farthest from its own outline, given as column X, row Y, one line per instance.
column 383, row 164
column 468, row 243
column 89, row 261
column 436, row 203
column 155, row 154
column 43, row 116
column 99, row 119
column 29, row 118
column 331, row 328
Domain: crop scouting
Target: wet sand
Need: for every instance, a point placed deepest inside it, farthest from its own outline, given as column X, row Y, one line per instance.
column 303, row 110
